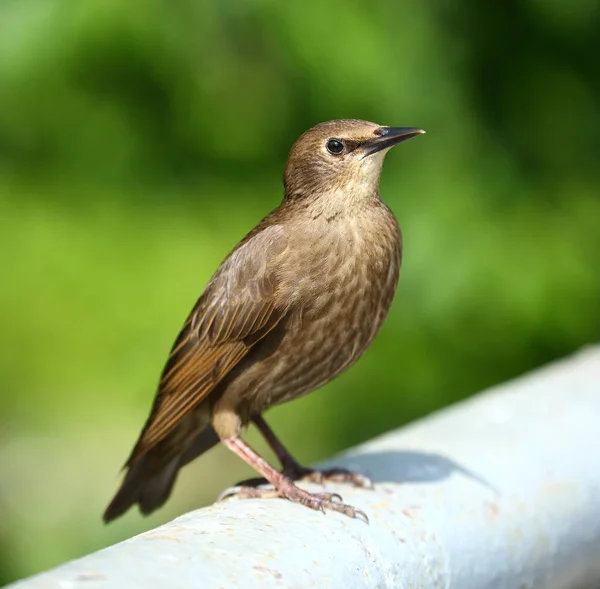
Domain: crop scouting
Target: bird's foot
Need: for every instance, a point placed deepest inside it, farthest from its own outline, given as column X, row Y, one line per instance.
column 332, row 475
column 297, row 472
column 287, row 489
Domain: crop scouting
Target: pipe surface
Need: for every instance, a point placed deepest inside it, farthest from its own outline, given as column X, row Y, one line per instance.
column 500, row 491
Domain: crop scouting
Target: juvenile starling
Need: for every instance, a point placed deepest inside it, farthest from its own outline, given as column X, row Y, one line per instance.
column 295, row 303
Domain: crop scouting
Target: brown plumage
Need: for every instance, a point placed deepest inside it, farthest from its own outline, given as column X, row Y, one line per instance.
column 295, row 303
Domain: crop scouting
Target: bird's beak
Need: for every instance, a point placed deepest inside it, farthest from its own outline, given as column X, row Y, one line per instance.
column 386, row 137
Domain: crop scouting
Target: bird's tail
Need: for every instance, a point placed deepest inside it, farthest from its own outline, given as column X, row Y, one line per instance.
column 150, row 478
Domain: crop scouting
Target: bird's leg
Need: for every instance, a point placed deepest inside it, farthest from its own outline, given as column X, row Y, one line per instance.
column 284, row 486
column 290, row 466
column 296, row 471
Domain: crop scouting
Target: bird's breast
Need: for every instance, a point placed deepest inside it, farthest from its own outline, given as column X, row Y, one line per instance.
column 353, row 282
column 343, row 288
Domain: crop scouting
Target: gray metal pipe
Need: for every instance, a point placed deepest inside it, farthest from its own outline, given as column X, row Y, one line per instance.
column 501, row 491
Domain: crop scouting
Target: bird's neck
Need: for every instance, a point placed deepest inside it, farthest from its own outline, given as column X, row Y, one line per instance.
column 335, row 203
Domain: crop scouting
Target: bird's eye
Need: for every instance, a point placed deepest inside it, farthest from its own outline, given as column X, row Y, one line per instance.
column 335, row 146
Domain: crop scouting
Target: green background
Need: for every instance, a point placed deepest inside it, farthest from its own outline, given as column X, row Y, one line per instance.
column 140, row 140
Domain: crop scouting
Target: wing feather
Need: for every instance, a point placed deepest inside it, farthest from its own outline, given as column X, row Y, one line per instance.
column 240, row 305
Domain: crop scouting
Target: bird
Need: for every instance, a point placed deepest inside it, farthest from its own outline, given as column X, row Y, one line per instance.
column 295, row 304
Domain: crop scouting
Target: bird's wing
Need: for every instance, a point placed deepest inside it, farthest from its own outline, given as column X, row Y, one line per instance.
column 240, row 305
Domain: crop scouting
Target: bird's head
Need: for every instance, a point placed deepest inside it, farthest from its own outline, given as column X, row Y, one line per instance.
column 342, row 157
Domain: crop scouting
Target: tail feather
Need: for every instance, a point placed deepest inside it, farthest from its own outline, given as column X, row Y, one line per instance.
column 150, row 479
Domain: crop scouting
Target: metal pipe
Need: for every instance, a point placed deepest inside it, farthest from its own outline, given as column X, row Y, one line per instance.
column 500, row 491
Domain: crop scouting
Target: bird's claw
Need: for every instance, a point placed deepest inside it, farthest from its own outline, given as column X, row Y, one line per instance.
column 333, row 475
column 331, row 497
column 246, row 492
column 318, row 501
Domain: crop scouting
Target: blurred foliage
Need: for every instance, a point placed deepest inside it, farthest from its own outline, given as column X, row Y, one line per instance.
column 140, row 140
